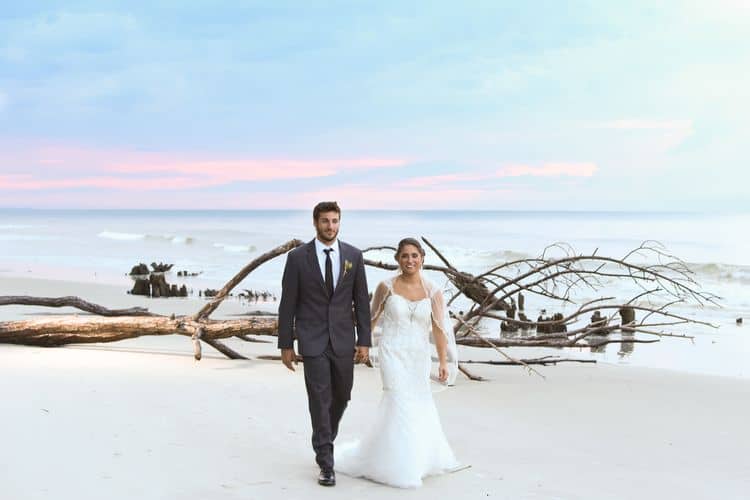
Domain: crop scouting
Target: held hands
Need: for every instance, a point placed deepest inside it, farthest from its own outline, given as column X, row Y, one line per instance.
column 362, row 355
column 289, row 358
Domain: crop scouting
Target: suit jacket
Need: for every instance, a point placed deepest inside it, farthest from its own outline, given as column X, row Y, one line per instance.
column 306, row 312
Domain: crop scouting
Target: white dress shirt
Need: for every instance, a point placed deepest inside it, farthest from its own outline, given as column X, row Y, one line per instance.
column 335, row 259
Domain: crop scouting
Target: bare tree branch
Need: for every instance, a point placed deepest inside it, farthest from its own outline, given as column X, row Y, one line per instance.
column 70, row 301
column 206, row 311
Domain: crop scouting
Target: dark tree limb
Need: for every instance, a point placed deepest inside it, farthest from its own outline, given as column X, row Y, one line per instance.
column 222, row 348
column 253, row 340
column 437, row 252
column 206, row 311
column 469, row 375
column 272, row 357
column 426, row 267
column 544, row 361
column 370, row 249
column 71, row 301
column 487, row 342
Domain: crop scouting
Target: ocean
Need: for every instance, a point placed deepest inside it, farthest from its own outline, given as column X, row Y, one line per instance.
column 103, row 245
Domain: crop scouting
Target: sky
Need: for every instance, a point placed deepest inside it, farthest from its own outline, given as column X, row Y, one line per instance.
column 548, row 105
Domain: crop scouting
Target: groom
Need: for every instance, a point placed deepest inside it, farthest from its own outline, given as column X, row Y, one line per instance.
column 323, row 298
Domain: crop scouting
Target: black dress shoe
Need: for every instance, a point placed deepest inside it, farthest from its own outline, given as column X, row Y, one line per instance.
column 327, row 478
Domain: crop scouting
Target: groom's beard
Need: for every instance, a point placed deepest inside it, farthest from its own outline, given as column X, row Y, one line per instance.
column 325, row 238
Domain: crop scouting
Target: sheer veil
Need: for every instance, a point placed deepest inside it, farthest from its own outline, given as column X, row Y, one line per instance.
column 441, row 323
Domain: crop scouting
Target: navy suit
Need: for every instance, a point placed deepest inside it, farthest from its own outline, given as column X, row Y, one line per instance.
column 326, row 329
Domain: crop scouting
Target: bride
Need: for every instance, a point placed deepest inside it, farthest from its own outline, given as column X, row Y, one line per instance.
column 405, row 442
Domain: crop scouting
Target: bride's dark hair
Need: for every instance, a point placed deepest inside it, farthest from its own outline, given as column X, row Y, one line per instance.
column 408, row 241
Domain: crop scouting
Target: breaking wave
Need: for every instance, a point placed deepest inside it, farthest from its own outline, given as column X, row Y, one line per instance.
column 722, row 272
column 235, row 248
column 110, row 235
column 171, row 238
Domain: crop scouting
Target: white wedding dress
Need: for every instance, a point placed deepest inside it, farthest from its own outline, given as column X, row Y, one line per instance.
column 405, row 441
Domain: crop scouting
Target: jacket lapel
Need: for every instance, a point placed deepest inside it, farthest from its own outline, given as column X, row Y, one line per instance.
column 312, row 261
column 341, row 267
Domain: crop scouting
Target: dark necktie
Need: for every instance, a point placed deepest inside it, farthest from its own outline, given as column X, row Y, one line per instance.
column 329, row 272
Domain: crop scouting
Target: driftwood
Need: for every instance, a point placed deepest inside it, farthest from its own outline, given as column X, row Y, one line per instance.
column 544, row 361
column 491, row 295
column 23, row 300
column 668, row 280
column 129, row 323
column 51, row 332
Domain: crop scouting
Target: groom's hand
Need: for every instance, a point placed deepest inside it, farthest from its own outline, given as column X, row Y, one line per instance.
column 289, row 358
column 362, row 355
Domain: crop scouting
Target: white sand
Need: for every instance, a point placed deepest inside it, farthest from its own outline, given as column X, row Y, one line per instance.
column 141, row 419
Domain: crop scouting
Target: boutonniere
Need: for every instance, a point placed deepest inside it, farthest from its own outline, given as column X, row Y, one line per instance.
column 347, row 266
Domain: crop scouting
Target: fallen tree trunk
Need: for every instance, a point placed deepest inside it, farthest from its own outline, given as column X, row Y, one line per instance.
column 137, row 322
column 50, row 332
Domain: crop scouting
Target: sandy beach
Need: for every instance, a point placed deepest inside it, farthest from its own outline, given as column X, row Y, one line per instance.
column 572, row 175
column 142, row 419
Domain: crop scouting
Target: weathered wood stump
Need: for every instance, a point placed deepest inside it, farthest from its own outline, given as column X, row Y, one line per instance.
column 141, row 287
column 139, row 270
column 628, row 318
column 510, row 326
column 597, row 320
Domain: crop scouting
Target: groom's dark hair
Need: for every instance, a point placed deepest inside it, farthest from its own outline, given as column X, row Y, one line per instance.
column 325, row 206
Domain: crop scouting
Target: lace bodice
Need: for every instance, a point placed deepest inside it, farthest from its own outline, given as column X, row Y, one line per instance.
column 407, row 318
column 404, row 349
column 411, row 323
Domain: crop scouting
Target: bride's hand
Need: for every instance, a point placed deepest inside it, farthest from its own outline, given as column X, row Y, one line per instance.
column 443, row 372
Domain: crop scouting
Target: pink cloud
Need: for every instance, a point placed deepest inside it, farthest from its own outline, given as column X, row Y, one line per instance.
column 29, row 183
column 257, row 169
column 43, row 175
column 43, row 165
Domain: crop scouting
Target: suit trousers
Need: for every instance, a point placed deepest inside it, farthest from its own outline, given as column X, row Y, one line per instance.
column 328, row 379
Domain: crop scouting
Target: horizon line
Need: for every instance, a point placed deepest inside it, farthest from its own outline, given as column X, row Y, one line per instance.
column 393, row 210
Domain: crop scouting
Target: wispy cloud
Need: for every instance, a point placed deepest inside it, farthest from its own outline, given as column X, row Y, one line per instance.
column 33, row 167
column 31, row 183
column 544, row 170
column 258, row 169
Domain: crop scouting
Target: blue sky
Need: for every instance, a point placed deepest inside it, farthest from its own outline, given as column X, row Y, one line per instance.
column 486, row 105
